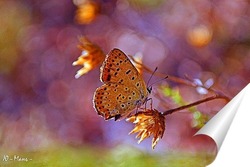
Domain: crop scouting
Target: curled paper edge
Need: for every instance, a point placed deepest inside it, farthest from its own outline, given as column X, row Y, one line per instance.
column 218, row 126
column 235, row 147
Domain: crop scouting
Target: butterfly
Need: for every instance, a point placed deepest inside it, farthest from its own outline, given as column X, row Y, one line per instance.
column 123, row 90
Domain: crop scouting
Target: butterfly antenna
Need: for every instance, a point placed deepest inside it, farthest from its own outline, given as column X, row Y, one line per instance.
column 149, row 88
column 158, row 81
column 152, row 75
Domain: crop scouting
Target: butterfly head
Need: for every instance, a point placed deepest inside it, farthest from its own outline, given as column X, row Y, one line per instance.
column 149, row 89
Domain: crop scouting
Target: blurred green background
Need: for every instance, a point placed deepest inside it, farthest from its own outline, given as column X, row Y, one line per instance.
column 47, row 115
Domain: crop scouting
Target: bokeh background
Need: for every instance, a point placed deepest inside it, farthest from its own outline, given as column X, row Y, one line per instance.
column 47, row 115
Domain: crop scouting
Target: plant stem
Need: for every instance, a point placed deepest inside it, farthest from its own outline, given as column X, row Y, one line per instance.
column 194, row 104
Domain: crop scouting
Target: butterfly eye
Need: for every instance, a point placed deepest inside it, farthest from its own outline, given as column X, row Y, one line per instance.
column 149, row 89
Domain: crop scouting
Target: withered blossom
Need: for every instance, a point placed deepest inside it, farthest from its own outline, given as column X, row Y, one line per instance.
column 147, row 123
column 86, row 12
column 91, row 56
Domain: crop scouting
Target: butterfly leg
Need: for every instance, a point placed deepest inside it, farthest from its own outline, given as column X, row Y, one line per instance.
column 151, row 102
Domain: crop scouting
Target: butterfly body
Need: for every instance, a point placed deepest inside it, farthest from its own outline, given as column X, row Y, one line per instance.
column 123, row 90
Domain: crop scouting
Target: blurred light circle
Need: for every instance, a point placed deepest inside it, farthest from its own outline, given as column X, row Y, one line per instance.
column 199, row 36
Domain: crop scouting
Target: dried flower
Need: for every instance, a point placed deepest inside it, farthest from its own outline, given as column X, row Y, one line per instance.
column 91, row 56
column 147, row 123
column 86, row 12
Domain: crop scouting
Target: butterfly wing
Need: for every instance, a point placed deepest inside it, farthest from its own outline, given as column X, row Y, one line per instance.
column 117, row 66
column 115, row 100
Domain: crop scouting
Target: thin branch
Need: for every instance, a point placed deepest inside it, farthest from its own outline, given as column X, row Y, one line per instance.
column 172, row 78
column 195, row 103
column 181, row 80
